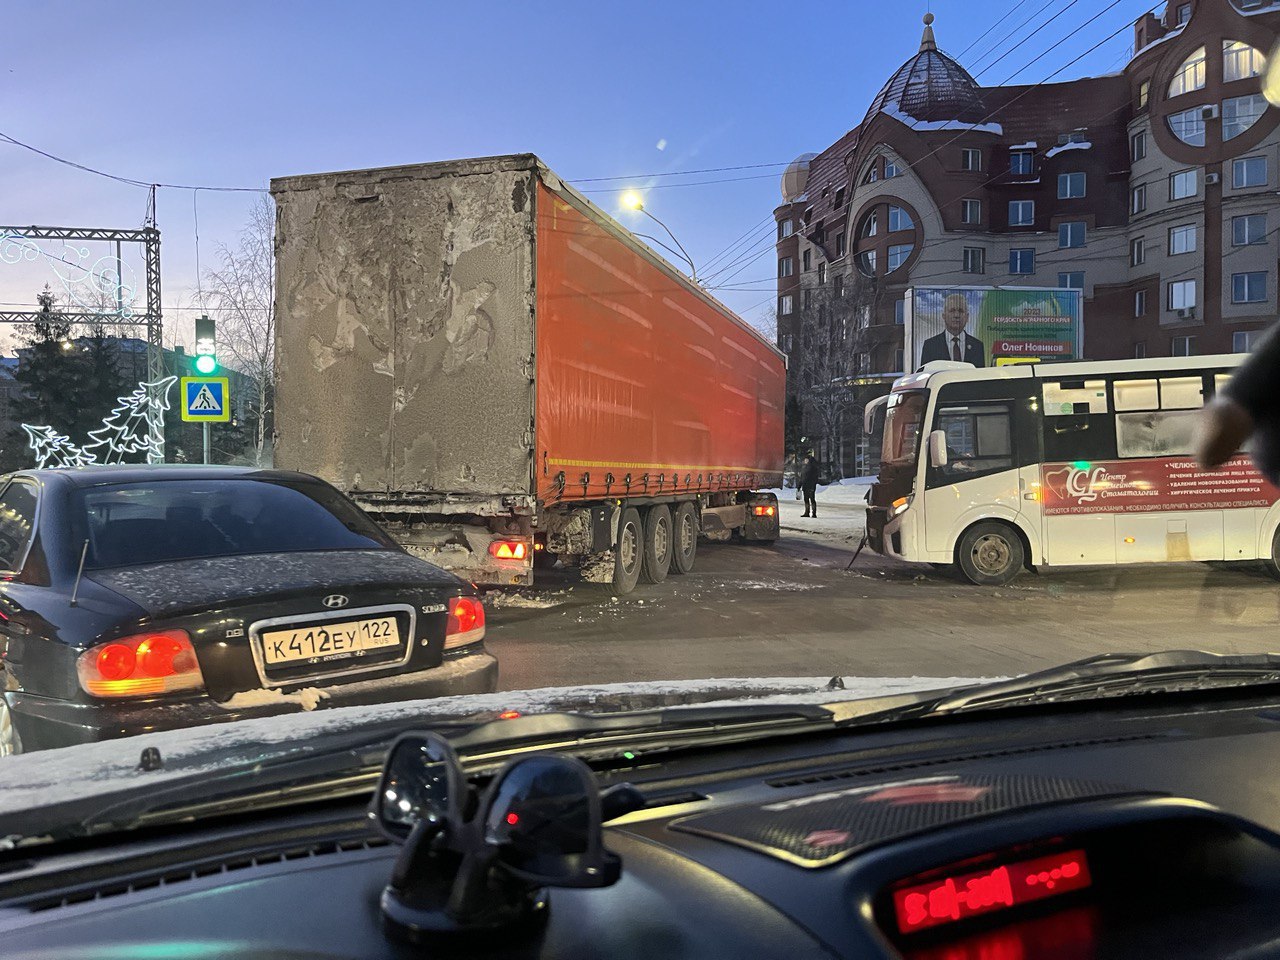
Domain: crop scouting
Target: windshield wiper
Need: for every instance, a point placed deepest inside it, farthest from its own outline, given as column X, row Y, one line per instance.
column 1108, row 675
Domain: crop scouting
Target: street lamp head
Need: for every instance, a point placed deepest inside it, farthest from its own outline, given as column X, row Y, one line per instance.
column 631, row 200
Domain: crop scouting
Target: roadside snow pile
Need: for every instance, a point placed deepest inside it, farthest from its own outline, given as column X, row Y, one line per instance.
column 786, row 585
column 849, row 490
column 497, row 599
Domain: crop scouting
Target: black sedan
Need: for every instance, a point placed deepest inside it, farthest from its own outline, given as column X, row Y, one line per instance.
column 146, row 598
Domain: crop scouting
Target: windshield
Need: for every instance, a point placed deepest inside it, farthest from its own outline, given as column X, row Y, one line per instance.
column 137, row 523
column 903, row 422
column 456, row 396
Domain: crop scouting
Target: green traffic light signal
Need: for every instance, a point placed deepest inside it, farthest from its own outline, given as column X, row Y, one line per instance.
column 206, row 364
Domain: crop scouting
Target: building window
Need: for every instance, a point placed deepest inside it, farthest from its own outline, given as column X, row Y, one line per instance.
column 899, row 311
column 1071, row 234
column 1137, row 251
column 1190, row 75
column 899, row 219
column 786, row 304
column 784, row 343
column 1144, row 93
column 1241, row 113
column 1184, row 14
column 871, row 225
column 820, row 233
column 1182, row 346
column 1242, row 341
column 840, row 198
column 1249, row 229
column 971, row 211
column 891, row 169
column 1021, row 162
column 1138, row 199
column 1072, row 281
column 975, row 260
column 785, row 265
column 837, row 287
column 1249, row 287
column 867, row 263
column 1182, row 295
column 806, row 260
column 1138, row 145
column 1188, row 126
column 785, row 229
column 1241, row 61
column 898, row 254
column 808, row 299
column 1070, row 186
column 971, row 159
column 1140, row 350
column 822, row 273
column 1249, row 172
column 1182, row 185
column 873, row 174
column 1022, row 261
column 1022, row 213
column 840, row 244
column 1140, row 303
column 1182, row 239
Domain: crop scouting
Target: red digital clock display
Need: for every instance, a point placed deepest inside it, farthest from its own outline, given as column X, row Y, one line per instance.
column 957, row 897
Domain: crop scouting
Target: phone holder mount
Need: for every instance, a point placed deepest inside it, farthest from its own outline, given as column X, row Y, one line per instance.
column 475, row 866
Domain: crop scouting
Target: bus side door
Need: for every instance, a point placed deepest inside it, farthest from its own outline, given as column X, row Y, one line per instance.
column 1078, row 433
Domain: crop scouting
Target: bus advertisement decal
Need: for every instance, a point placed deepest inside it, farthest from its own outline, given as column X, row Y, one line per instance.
column 1152, row 485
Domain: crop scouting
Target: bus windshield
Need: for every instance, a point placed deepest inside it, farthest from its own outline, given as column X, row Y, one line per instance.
column 902, row 425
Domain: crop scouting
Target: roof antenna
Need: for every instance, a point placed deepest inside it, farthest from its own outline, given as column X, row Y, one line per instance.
column 84, row 552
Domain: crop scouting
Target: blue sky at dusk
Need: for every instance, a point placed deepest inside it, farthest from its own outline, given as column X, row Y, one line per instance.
column 234, row 93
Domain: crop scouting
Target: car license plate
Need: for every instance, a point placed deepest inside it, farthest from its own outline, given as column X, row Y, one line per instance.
column 330, row 641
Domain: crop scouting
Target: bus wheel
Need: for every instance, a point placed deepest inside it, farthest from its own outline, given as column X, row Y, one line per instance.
column 657, row 544
column 1272, row 565
column 685, row 546
column 628, row 553
column 990, row 554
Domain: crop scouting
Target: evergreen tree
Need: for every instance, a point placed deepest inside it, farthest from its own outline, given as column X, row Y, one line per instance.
column 51, row 373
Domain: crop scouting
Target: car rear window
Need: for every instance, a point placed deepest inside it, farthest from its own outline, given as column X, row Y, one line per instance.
column 136, row 523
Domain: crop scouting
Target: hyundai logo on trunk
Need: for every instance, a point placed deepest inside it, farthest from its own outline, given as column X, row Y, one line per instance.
column 335, row 600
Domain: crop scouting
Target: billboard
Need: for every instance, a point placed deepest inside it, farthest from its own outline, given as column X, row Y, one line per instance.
column 992, row 326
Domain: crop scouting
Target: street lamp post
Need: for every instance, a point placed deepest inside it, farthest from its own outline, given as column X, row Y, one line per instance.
column 633, row 202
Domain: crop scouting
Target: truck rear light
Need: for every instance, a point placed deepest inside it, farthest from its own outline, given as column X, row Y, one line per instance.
column 140, row 666
column 760, row 510
column 466, row 622
column 509, row 549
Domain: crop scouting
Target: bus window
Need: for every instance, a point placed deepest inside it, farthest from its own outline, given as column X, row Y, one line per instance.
column 1137, row 395
column 1156, row 433
column 979, row 441
column 1181, row 393
column 1069, row 397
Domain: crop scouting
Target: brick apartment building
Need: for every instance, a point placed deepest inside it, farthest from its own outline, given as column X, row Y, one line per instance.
column 1154, row 190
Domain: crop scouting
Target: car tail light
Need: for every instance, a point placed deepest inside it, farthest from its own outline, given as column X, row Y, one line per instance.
column 509, row 549
column 466, row 622
column 141, row 665
column 760, row 510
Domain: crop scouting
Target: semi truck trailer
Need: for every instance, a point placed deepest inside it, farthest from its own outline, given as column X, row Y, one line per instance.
column 502, row 375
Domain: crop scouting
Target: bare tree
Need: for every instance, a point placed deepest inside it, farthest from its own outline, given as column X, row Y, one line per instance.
column 241, row 292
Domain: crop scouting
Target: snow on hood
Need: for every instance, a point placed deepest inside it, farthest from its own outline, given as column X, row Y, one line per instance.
column 32, row 780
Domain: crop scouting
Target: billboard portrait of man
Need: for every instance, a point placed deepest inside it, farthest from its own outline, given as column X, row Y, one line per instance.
column 955, row 342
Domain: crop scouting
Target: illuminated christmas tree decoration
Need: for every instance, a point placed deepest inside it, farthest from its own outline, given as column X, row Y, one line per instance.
column 134, row 426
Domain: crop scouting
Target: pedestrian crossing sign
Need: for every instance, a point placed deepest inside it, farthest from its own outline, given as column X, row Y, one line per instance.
column 204, row 399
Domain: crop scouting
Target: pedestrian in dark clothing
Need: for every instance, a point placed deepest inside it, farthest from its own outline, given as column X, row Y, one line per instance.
column 809, row 485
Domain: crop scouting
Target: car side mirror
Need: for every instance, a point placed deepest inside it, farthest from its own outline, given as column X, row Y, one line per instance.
column 938, row 448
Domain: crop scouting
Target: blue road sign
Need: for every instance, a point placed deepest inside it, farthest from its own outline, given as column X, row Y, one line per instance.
column 204, row 399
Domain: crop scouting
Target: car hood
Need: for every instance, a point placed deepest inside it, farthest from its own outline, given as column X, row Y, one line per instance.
column 167, row 588
column 29, row 781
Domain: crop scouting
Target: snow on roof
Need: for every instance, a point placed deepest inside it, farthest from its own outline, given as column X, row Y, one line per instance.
column 1029, row 145
column 915, row 124
column 1074, row 145
column 94, row 769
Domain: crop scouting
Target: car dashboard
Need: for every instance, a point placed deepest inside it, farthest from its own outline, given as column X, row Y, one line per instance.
column 1072, row 833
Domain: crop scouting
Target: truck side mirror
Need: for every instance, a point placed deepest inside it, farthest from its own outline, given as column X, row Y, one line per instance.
column 938, row 448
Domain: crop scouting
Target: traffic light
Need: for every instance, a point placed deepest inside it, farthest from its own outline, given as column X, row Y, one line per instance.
column 206, row 345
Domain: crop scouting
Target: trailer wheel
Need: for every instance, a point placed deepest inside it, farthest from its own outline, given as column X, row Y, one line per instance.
column 628, row 552
column 657, row 544
column 685, row 538
column 990, row 554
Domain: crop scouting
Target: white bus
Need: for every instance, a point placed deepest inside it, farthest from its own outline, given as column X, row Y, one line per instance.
column 1063, row 464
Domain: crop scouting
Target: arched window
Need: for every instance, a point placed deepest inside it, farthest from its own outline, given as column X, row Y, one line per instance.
column 1241, row 61
column 1190, row 75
